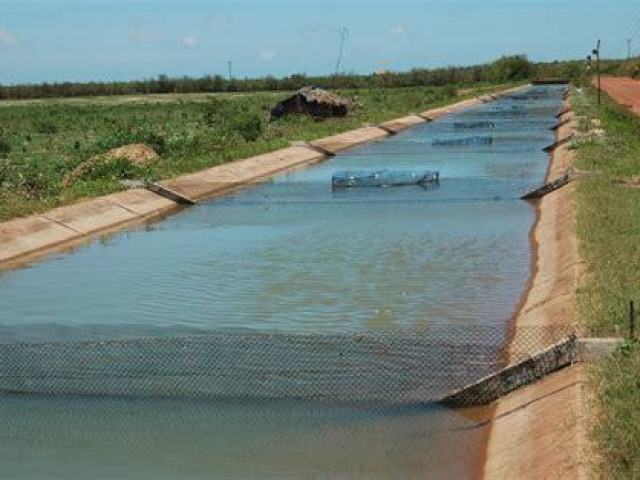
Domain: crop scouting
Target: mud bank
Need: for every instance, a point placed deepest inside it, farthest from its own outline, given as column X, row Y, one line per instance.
column 539, row 431
column 24, row 239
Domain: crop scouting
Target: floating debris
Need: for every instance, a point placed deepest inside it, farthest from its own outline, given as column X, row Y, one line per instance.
column 382, row 178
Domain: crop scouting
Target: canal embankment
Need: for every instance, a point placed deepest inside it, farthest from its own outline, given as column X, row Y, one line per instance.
column 540, row 431
column 25, row 239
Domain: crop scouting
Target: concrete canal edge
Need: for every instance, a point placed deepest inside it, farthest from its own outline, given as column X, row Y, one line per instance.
column 539, row 365
column 541, row 430
column 25, row 239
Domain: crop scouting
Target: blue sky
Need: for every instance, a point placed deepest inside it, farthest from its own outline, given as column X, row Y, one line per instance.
column 71, row 40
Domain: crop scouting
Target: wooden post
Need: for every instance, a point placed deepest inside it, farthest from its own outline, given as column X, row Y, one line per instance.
column 597, row 54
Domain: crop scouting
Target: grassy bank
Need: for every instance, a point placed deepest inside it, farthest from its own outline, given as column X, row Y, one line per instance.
column 608, row 219
column 41, row 143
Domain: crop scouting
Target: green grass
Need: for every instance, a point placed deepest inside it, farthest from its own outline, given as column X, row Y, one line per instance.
column 608, row 217
column 617, row 429
column 41, row 142
column 608, row 226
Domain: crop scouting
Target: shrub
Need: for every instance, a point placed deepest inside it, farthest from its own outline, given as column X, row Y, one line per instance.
column 231, row 117
column 510, row 68
column 630, row 69
column 248, row 125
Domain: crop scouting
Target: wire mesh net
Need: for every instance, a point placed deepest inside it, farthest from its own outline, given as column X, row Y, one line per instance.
column 383, row 368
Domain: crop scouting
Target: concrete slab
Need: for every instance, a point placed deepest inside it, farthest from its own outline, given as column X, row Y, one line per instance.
column 26, row 235
column 446, row 110
column 223, row 177
column 539, row 431
column 91, row 216
column 513, row 377
column 141, row 202
column 399, row 124
column 343, row 141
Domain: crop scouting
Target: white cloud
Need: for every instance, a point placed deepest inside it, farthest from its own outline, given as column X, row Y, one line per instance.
column 8, row 38
column 397, row 31
column 267, row 55
column 190, row 41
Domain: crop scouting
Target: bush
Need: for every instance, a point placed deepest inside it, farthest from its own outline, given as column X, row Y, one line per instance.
column 231, row 117
column 510, row 68
column 630, row 69
column 248, row 125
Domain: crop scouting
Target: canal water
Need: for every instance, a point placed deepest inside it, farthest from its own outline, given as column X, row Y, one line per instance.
column 291, row 256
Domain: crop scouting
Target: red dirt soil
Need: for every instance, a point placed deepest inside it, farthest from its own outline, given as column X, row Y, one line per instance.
column 625, row 91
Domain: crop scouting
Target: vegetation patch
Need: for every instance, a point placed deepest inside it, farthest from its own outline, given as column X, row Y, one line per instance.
column 617, row 385
column 608, row 224
column 55, row 152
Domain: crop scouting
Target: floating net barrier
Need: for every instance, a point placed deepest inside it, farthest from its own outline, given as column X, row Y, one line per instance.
column 473, row 125
column 456, row 142
column 535, row 95
column 382, row 178
column 369, row 368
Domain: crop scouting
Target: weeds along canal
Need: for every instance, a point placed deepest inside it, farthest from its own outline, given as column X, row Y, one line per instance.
column 289, row 260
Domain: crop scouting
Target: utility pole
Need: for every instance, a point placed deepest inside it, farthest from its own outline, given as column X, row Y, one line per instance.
column 629, row 40
column 343, row 33
column 230, row 70
column 596, row 52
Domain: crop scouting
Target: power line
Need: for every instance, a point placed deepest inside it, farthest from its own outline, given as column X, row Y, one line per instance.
column 634, row 33
column 636, row 29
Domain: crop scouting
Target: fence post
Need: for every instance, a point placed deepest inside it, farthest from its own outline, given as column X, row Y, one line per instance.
column 632, row 320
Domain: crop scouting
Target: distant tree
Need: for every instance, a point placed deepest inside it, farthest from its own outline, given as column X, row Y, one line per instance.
column 510, row 68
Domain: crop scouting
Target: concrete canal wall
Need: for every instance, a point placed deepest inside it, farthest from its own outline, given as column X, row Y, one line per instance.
column 541, row 431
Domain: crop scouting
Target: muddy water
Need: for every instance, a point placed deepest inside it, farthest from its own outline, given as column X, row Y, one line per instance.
column 290, row 255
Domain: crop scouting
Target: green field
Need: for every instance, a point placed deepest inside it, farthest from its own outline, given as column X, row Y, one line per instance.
column 608, row 220
column 42, row 141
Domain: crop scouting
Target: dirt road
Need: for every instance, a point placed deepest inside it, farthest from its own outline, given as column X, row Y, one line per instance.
column 625, row 91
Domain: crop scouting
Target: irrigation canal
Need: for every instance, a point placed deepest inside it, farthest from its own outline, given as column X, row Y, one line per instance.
column 288, row 258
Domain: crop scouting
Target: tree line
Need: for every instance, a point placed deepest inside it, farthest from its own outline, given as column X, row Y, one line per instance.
column 507, row 68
